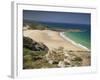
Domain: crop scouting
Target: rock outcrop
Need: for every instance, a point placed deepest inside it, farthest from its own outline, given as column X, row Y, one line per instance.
column 33, row 45
column 63, row 58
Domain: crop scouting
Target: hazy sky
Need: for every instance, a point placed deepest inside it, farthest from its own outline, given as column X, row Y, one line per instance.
column 57, row 17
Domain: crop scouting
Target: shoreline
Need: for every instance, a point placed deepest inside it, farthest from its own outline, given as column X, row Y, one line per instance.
column 73, row 42
column 54, row 39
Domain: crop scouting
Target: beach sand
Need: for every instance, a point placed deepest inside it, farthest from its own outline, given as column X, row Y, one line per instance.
column 52, row 39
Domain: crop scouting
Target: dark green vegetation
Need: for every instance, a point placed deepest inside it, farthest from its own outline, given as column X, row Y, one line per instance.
column 38, row 26
column 35, row 25
column 34, row 54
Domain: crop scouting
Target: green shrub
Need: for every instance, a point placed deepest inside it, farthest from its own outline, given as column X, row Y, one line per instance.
column 28, row 65
column 27, row 42
column 38, row 26
column 27, row 58
column 27, row 51
column 38, row 53
column 41, row 64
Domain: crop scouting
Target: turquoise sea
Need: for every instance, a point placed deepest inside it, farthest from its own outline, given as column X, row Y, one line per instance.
column 83, row 37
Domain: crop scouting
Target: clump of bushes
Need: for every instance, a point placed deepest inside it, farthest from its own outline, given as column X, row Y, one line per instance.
column 27, row 42
column 34, row 59
column 33, row 54
column 38, row 26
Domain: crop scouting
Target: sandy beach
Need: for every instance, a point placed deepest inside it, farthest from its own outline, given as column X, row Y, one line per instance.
column 53, row 39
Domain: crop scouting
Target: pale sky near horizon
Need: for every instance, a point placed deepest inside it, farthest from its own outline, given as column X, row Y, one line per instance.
column 57, row 17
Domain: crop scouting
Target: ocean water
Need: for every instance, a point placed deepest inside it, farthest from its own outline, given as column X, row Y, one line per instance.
column 66, row 25
column 83, row 37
